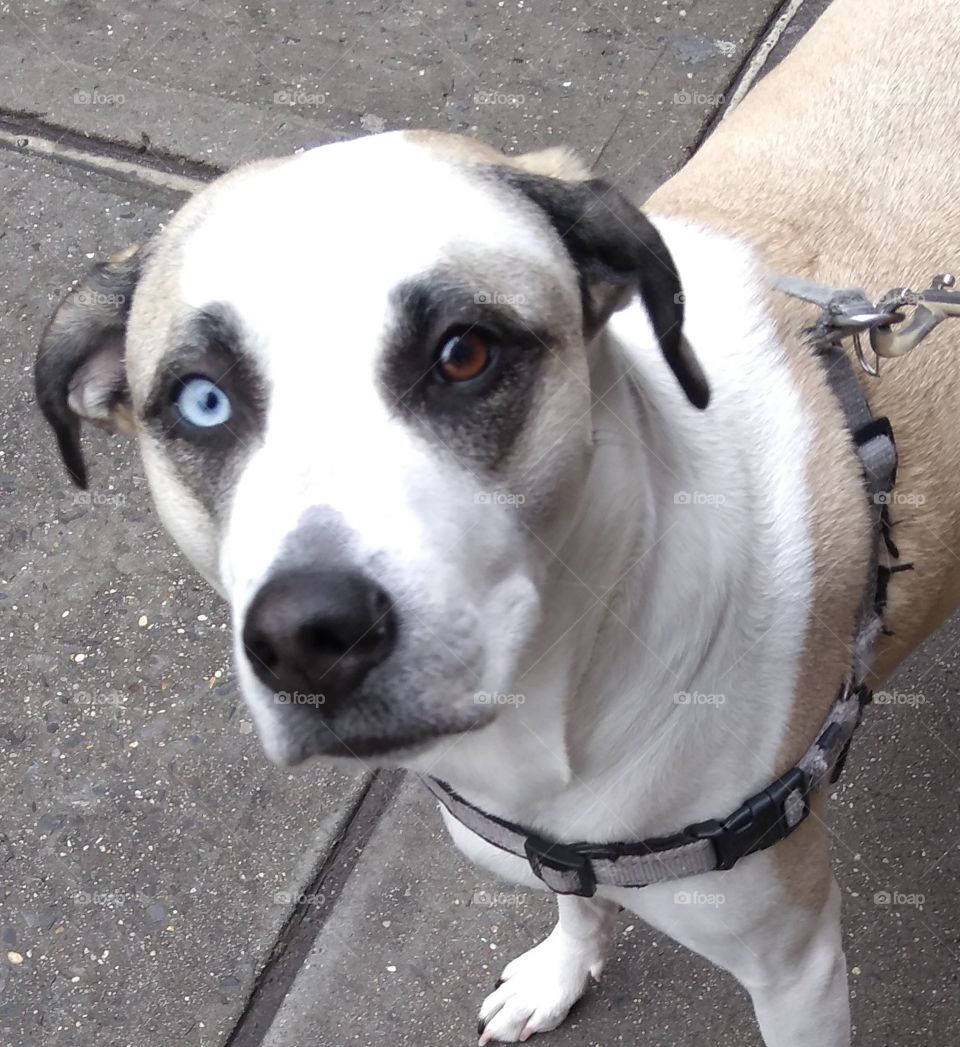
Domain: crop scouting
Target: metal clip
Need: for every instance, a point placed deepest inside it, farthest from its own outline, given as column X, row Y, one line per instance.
column 848, row 313
column 932, row 307
column 851, row 314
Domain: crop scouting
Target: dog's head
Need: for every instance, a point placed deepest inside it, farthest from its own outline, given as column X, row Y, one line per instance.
column 360, row 382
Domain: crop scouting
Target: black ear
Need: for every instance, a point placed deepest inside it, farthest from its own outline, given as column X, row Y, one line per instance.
column 616, row 249
column 79, row 371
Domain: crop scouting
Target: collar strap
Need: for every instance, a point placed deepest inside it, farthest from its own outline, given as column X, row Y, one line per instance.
column 762, row 820
column 773, row 813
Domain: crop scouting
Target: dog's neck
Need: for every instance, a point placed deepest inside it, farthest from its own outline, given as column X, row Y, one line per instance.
column 661, row 677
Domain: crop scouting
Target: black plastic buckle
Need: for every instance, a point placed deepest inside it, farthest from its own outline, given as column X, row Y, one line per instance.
column 557, row 857
column 759, row 823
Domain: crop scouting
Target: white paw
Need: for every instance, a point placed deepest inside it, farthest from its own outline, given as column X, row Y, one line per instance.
column 537, row 989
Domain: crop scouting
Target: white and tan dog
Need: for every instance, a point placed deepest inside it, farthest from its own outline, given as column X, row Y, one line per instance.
column 423, row 415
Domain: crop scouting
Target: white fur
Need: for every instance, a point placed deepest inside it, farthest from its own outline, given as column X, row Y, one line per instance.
column 612, row 682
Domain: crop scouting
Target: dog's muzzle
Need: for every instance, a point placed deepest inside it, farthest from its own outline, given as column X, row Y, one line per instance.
column 344, row 652
column 318, row 633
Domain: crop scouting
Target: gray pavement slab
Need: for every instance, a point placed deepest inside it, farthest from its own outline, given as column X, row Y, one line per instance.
column 150, row 855
column 631, row 85
column 418, row 936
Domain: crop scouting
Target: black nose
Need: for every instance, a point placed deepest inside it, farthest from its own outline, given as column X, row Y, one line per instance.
column 318, row 632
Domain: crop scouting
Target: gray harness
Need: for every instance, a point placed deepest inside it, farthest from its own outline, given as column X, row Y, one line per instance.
column 775, row 812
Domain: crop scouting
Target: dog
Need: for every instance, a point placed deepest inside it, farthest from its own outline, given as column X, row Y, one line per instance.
column 549, row 498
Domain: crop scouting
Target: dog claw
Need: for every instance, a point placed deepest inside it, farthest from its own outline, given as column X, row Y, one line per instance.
column 481, row 1025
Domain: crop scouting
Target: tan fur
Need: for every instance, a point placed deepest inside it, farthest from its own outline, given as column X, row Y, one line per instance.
column 552, row 162
column 843, row 166
column 123, row 420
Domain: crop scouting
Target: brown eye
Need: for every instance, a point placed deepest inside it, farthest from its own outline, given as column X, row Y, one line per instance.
column 464, row 356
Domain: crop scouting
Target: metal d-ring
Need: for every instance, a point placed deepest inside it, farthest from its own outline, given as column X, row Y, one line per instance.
column 872, row 369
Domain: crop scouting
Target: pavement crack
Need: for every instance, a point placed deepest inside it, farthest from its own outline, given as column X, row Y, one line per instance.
column 26, row 132
column 315, row 904
column 751, row 68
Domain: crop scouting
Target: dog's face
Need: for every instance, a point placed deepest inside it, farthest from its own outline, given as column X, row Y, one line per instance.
column 360, row 380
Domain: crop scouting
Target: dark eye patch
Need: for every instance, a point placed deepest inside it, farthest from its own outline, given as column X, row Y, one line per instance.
column 478, row 419
column 210, row 345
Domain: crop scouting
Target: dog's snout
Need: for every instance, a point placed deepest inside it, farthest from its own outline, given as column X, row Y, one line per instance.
column 318, row 632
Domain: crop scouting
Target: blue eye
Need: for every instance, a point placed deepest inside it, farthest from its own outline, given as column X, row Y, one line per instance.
column 202, row 403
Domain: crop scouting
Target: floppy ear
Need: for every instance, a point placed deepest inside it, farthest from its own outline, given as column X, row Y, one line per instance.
column 79, row 371
column 617, row 252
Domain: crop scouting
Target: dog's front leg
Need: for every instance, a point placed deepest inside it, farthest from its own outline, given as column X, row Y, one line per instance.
column 802, row 998
column 537, row 989
column 773, row 921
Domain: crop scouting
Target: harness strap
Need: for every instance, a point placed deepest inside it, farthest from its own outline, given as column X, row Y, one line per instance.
column 875, row 447
column 772, row 814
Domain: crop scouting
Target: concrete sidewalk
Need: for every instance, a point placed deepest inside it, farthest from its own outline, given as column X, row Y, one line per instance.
column 162, row 883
